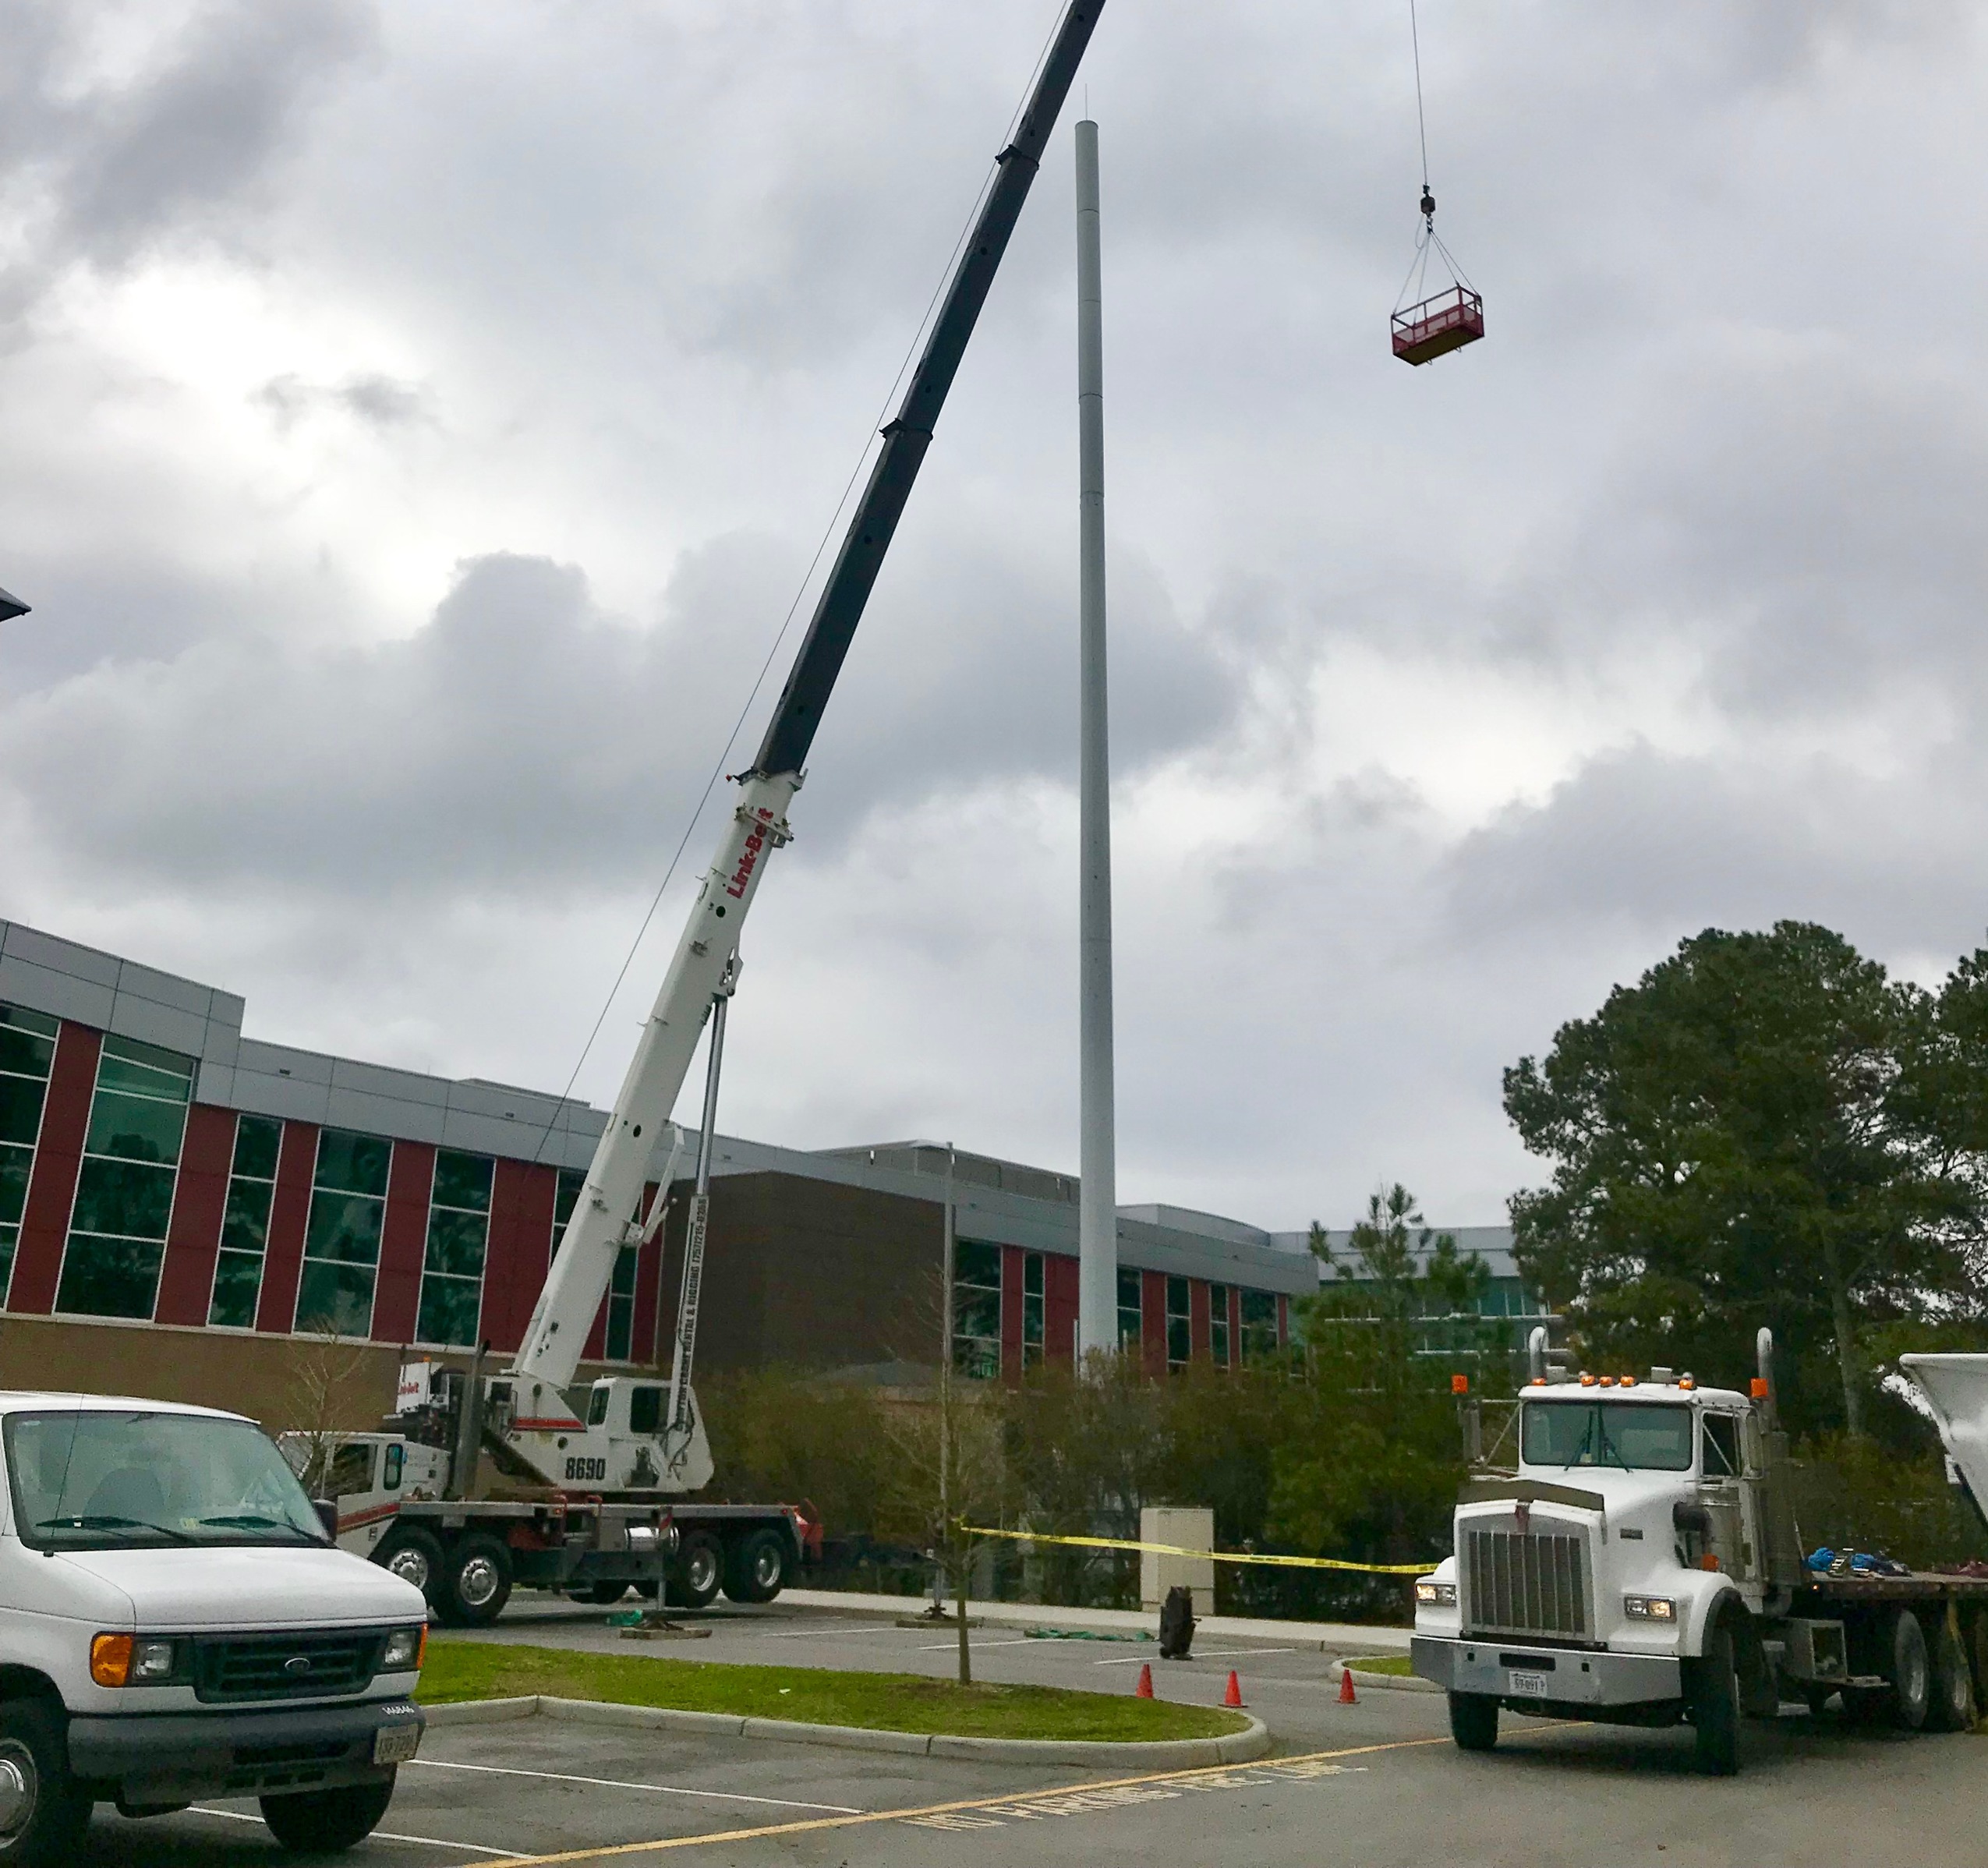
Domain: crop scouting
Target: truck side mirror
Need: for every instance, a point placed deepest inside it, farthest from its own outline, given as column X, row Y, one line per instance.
column 327, row 1516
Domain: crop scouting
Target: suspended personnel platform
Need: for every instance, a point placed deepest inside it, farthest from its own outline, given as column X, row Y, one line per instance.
column 1437, row 326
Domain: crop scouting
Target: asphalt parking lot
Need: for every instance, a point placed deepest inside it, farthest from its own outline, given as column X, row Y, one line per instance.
column 1378, row 1783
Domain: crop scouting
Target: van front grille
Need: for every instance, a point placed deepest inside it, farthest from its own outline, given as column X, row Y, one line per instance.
column 1525, row 1582
column 301, row 1666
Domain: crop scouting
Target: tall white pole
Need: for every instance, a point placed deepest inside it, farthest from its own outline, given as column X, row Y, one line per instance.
column 1097, row 1308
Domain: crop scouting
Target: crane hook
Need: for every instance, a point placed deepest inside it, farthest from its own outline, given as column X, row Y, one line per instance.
column 1428, row 204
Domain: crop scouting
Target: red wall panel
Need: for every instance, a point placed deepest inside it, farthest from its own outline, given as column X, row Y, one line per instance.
column 403, row 1243
column 1060, row 1303
column 199, row 1205
column 1011, row 1294
column 52, row 1192
column 1152, row 1323
column 648, row 1328
column 289, row 1211
column 521, row 1203
column 1198, row 1317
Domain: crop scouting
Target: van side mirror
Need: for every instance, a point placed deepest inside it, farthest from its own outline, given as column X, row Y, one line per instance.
column 327, row 1516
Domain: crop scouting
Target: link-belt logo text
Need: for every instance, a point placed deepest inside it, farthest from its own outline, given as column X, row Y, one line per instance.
column 749, row 862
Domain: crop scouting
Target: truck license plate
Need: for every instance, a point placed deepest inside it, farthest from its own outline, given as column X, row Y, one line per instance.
column 1532, row 1685
column 395, row 1744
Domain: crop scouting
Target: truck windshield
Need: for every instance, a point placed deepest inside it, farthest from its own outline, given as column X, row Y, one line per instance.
column 1630, row 1434
column 100, row 1479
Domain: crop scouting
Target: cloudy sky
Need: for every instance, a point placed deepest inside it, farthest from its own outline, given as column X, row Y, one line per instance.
column 418, row 421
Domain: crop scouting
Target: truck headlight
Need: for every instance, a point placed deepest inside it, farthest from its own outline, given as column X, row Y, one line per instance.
column 405, row 1649
column 1435, row 1595
column 1649, row 1608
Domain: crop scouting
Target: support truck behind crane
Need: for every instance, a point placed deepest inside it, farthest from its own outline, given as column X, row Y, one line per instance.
column 1642, row 1565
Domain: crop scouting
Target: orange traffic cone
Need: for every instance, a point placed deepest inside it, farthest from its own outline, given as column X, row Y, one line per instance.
column 1144, row 1689
column 1346, row 1686
column 1234, row 1696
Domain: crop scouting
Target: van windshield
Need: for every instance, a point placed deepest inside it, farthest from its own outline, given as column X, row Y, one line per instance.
column 106, row 1480
column 1633, row 1435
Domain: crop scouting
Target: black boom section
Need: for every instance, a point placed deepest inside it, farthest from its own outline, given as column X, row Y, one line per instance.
column 792, row 730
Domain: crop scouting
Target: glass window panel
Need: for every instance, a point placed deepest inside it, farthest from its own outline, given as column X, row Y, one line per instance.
column 570, row 1181
column 138, row 1128
column 1259, row 1322
column 245, row 1224
column 345, row 1226
column 237, row 1286
column 123, row 1196
column 1179, row 1335
column 621, row 1328
column 27, row 1041
column 976, row 1263
column 258, row 1141
column 978, row 1358
column 335, row 1300
column 623, row 1282
column 1218, row 1324
column 20, row 1109
column 15, row 1165
column 125, row 1064
column 353, row 1164
column 462, row 1180
column 449, row 1310
column 455, row 1243
column 396, row 1462
column 351, row 1469
column 645, row 1409
column 108, row 1277
column 976, row 1313
column 9, row 1238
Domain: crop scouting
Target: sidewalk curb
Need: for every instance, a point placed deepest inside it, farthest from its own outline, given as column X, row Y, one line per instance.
column 1387, row 1682
column 1237, row 1748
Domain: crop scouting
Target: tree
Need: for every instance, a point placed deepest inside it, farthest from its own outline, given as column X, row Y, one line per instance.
column 1759, row 1131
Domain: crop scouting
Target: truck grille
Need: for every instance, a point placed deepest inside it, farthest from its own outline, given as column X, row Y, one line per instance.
column 1525, row 1582
column 301, row 1666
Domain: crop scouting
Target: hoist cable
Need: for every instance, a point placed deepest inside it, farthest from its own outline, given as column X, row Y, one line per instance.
column 1421, row 122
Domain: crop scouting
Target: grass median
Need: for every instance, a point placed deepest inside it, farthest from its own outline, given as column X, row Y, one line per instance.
column 885, row 1702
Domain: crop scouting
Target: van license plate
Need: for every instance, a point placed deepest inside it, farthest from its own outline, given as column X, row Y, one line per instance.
column 1532, row 1685
column 395, row 1744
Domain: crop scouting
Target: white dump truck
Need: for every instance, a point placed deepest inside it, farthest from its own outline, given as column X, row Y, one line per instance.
column 1642, row 1565
column 175, row 1624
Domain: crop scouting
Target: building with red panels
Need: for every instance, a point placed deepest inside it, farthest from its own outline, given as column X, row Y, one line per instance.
column 183, row 1207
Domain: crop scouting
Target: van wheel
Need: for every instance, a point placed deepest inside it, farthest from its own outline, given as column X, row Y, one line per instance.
column 700, row 1569
column 1910, row 1670
column 43, row 1814
column 1712, row 1699
column 476, row 1579
column 415, row 1557
column 321, row 1822
column 1473, row 1721
column 755, row 1567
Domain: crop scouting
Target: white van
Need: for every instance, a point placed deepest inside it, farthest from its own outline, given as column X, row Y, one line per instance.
column 175, row 1623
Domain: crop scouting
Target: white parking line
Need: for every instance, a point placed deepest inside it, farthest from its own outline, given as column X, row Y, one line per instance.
column 562, row 1776
column 1207, row 1653
column 1019, row 1641
column 835, row 1634
column 378, row 1835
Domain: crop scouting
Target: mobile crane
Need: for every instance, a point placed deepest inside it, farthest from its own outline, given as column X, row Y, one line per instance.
column 613, row 1482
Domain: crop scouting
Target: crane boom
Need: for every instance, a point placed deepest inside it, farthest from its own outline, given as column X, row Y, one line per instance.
column 602, row 1220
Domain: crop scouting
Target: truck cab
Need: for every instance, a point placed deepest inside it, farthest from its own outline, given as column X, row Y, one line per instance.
column 1640, row 1532
column 175, row 1624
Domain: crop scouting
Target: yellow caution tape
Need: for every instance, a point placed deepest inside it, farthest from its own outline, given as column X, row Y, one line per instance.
column 1211, row 1556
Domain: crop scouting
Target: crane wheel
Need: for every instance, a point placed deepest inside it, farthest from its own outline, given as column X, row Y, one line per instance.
column 699, row 1571
column 756, row 1566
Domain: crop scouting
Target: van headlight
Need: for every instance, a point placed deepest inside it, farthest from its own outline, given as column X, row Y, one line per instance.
column 1649, row 1608
column 405, row 1649
column 1429, row 1594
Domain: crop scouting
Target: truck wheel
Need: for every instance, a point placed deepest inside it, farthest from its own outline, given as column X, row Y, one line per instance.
column 322, row 1821
column 415, row 1557
column 476, row 1581
column 1712, row 1699
column 700, row 1569
column 1951, row 1707
column 1977, row 1645
column 755, row 1567
column 1473, row 1721
column 1910, row 1671
column 43, row 1815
